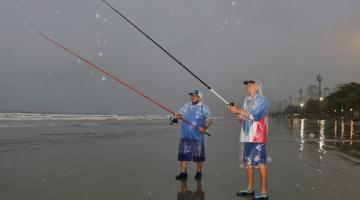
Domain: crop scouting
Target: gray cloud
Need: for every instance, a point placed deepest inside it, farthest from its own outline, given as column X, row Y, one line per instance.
column 282, row 43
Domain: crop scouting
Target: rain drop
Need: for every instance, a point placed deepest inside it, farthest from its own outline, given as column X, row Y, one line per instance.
column 78, row 61
column 233, row 3
column 57, row 12
column 311, row 135
column 49, row 74
column 103, row 78
column 105, row 20
column 226, row 21
column 172, row 13
column 97, row 16
column 101, row 54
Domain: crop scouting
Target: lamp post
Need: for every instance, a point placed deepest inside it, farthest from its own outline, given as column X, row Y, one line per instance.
column 319, row 79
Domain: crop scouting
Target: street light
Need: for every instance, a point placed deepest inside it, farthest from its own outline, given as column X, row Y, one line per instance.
column 321, row 98
column 302, row 105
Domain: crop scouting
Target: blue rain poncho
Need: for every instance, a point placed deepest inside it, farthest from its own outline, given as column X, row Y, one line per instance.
column 196, row 114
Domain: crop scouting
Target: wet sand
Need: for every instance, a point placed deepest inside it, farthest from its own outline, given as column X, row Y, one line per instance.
column 137, row 160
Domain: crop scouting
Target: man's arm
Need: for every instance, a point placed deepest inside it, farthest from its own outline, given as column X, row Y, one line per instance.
column 207, row 125
column 181, row 112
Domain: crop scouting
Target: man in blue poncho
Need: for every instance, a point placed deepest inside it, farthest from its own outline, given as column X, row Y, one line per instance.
column 191, row 146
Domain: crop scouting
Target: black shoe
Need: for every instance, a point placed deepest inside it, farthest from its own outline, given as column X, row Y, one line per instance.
column 198, row 176
column 245, row 192
column 182, row 176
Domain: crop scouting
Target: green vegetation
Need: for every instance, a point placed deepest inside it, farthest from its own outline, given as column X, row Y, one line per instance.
column 344, row 102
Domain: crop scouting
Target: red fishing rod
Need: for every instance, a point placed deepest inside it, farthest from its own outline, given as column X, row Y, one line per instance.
column 112, row 76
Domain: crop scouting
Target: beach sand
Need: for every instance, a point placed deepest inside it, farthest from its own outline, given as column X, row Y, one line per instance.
column 137, row 160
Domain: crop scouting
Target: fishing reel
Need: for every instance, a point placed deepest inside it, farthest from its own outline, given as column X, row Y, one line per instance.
column 231, row 104
column 173, row 120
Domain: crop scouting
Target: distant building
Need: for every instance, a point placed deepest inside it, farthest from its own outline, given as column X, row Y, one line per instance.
column 312, row 92
column 276, row 106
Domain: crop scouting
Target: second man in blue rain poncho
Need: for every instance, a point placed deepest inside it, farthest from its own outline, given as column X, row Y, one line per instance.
column 192, row 145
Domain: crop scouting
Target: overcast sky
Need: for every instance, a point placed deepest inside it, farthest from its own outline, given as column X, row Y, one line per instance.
column 282, row 43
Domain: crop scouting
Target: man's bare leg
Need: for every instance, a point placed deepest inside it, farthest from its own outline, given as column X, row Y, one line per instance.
column 263, row 176
column 250, row 178
column 183, row 166
column 199, row 166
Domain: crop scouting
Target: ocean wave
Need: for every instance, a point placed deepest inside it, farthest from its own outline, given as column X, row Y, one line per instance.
column 74, row 117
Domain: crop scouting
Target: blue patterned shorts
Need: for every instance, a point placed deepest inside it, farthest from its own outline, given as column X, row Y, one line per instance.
column 253, row 154
column 191, row 150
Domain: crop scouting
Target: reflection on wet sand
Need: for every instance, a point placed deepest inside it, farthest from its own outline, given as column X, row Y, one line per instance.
column 302, row 136
column 342, row 131
column 322, row 136
column 342, row 135
column 186, row 194
column 351, row 132
column 335, row 131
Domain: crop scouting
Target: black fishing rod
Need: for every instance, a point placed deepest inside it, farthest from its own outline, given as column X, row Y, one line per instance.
column 110, row 75
column 169, row 54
